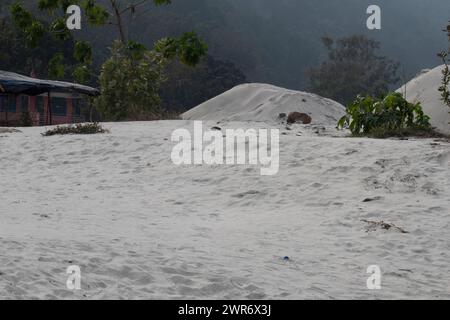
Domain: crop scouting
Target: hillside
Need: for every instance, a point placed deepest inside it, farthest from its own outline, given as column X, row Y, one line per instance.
column 277, row 41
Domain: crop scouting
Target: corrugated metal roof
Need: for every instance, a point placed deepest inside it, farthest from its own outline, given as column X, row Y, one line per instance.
column 14, row 83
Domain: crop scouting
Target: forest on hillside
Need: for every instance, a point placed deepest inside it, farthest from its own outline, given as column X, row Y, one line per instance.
column 277, row 41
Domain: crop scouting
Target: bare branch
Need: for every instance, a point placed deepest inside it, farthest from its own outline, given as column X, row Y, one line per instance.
column 133, row 6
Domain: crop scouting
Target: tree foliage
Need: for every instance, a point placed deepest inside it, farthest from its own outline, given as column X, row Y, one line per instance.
column 445, row 84
column 353, row 68
column 131, row 77
column 188, row 48
column 37, row 33
column 130, row 80
column 16, row 55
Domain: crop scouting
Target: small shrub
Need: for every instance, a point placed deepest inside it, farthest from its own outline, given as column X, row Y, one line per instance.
column 391, row 115
column 86, row 128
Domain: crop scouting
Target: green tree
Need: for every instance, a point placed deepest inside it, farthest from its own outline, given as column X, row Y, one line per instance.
column 131, row 77
column 188, row 49
column 16, row 55
column 353, row 68
column 50, row 44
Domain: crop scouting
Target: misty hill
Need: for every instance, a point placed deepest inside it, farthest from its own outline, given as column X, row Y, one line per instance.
column 277, row 41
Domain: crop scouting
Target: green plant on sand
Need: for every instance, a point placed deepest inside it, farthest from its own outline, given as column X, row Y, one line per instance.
column 389, row 116
column 81, row 128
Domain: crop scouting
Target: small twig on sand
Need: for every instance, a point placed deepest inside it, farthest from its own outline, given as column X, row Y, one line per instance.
column 383, row 225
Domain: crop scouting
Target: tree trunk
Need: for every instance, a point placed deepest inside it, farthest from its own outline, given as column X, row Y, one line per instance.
column 119, row 21
column 49, row 109
column 6, row 115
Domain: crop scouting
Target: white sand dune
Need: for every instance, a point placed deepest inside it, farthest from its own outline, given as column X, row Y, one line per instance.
column 263, row 102
column 424, row 89
column 140, row 227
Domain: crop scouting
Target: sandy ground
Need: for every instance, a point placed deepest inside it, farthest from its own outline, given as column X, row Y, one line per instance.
column 140, row 227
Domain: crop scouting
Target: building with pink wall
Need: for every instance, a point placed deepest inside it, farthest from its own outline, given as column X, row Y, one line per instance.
column 45, row 102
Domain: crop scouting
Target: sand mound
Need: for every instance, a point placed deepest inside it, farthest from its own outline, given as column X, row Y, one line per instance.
column 424, row 88
column 263, row 102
